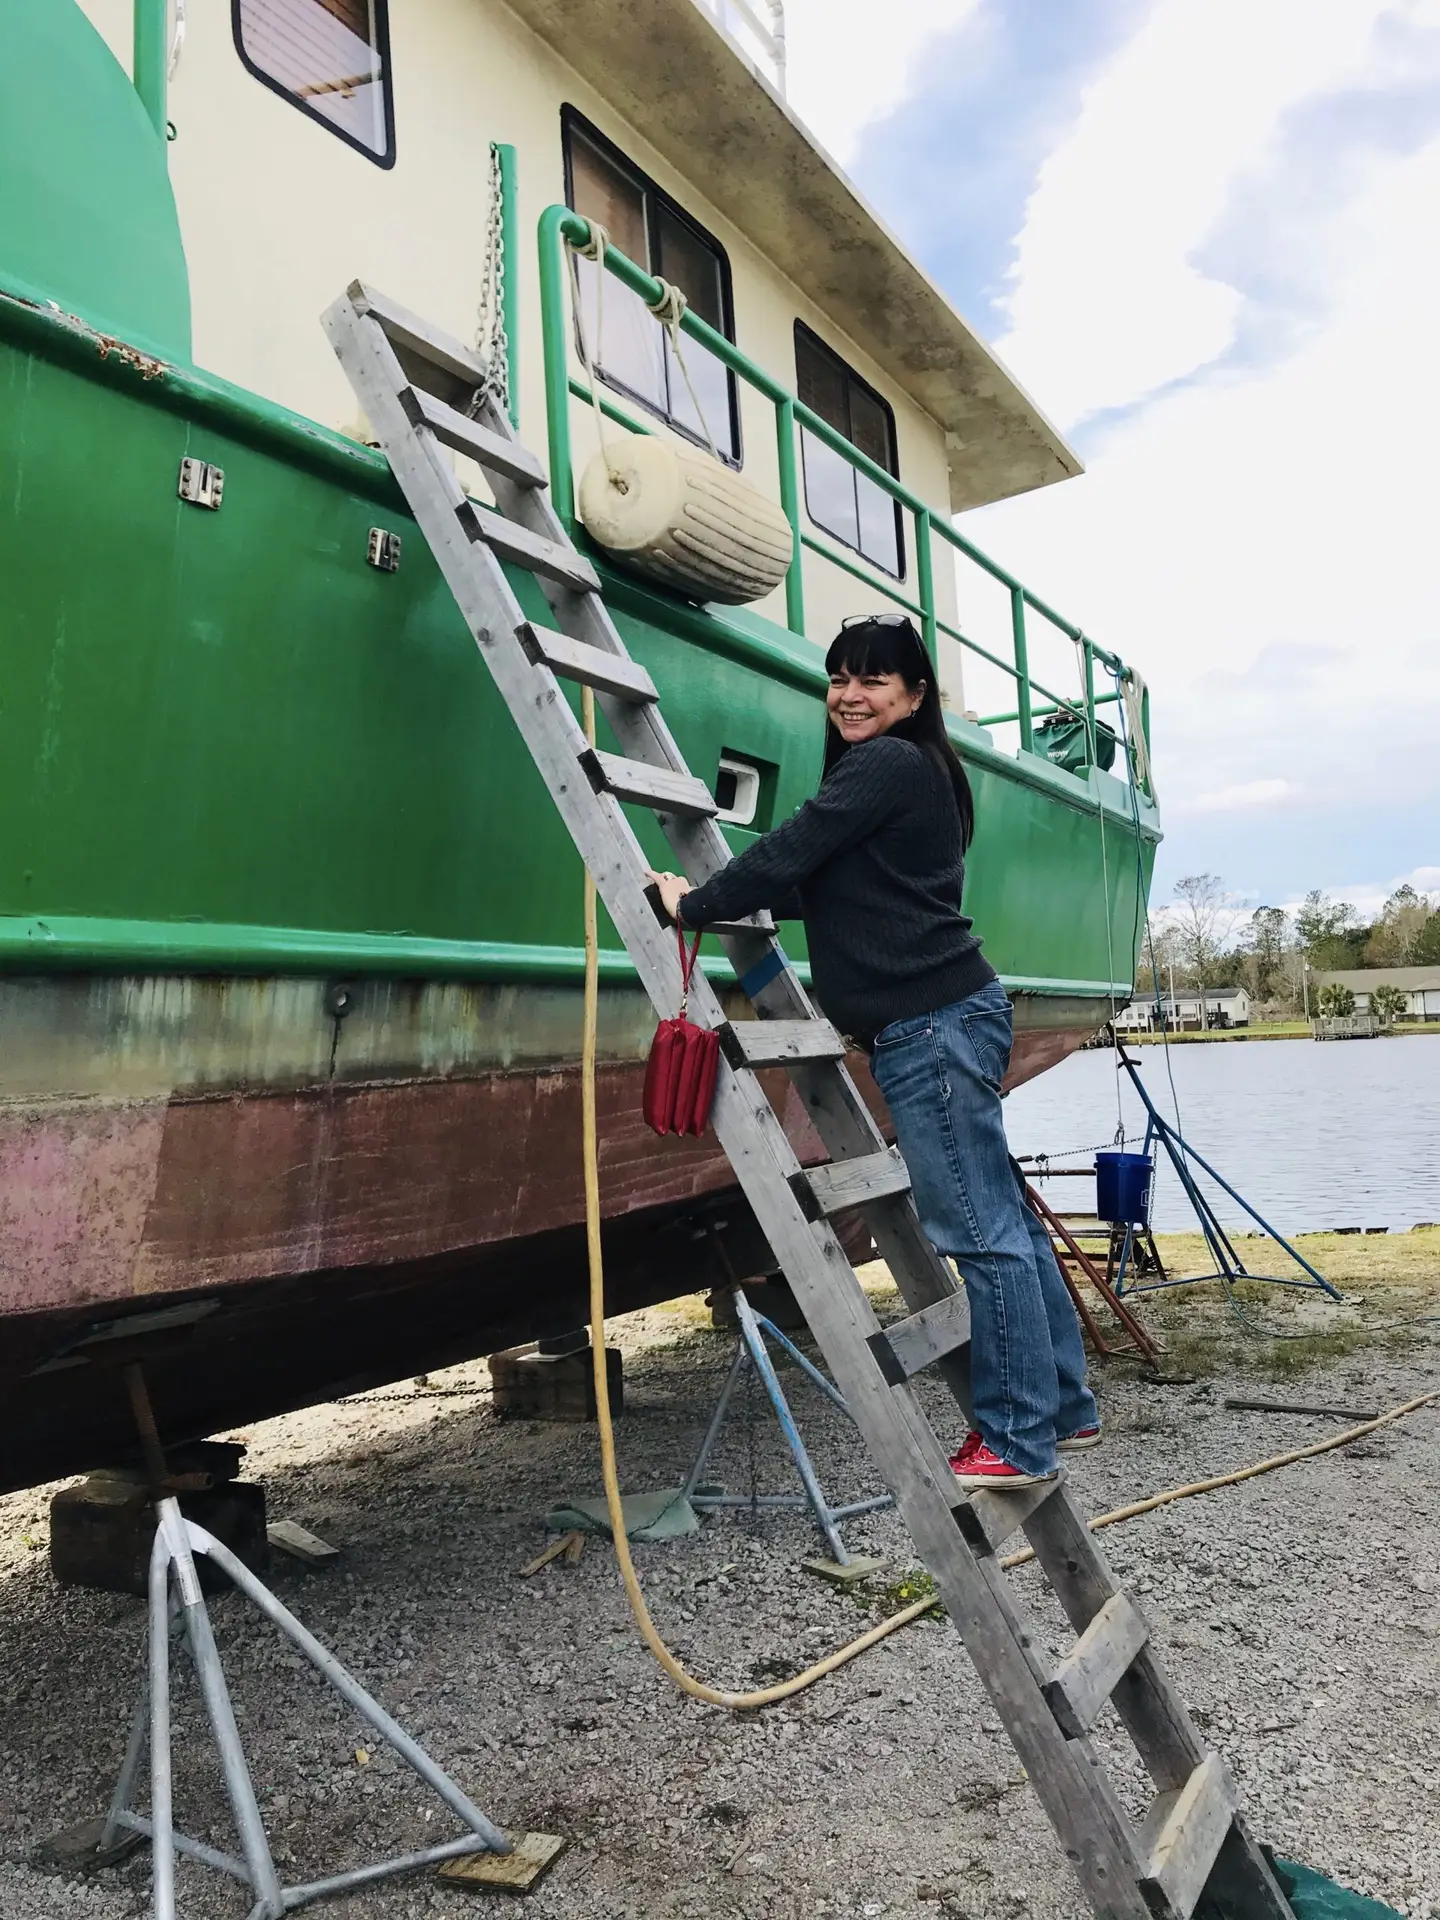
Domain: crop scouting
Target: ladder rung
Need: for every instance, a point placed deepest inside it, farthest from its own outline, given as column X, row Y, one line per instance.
column 850, row 1183
column 932, row 1334
column 1085, row 1679
column 405, row 329
column 574, row 660
column 989, row 1519
column 489, row 449
column 529, row 550
column 1182, row 1834
column 775, row 1043
column 757, row 923
column 658, row 787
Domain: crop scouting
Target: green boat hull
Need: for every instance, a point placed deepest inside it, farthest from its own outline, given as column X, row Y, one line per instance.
column 290, row 932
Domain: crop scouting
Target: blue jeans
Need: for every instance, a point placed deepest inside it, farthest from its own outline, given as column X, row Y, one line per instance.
column 940, row 1074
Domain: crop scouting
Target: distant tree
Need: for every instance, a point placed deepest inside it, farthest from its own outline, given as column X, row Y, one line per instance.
column 1425, row 947
column 1160, row 946
column 1336, row 1001
column 1327, row 931
column 1265, row 941
column 1204, row 922
column 1387, row 1001
column 1402, row 920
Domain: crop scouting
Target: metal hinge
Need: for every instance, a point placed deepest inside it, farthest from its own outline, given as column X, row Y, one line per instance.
column 201, row 484
column 384, row 550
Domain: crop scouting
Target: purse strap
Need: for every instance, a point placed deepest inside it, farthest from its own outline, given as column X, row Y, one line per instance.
column 687, row 965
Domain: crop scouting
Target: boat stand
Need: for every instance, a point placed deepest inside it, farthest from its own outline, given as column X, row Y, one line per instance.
column 178, row 1614
column 1229, row 1267
column 751, row 1351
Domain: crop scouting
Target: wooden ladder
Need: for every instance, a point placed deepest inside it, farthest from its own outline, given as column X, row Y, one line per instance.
column 421, row 392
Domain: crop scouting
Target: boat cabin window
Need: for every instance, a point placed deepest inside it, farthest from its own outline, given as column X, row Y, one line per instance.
column 839, row 498
column 630, row 348
column 330, row 58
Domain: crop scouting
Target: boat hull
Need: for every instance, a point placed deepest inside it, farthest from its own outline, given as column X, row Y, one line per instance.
column 290, row 931
column 332, row 1237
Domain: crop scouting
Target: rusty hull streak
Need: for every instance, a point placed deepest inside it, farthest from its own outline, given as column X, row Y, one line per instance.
column 352, row 1234
column 99, row 1204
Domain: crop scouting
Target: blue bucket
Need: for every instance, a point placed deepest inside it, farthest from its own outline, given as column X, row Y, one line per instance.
column 1122, row 1187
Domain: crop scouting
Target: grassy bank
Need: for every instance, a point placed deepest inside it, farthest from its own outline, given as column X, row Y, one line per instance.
column 1390, row 1284
column 1263, row 1030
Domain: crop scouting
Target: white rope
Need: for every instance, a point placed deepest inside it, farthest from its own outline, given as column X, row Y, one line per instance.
column 177, row 43
column 1091, row 731
column 594, row 249
column 669, row 310
column 1132, row 694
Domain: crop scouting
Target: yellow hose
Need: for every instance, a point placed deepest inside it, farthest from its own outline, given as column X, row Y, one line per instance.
column 768, row 1696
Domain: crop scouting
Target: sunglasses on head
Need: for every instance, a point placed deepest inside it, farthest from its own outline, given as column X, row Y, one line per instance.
column 877, row 620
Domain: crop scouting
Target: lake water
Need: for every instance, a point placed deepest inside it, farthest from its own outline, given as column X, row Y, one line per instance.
column 1316, row 1135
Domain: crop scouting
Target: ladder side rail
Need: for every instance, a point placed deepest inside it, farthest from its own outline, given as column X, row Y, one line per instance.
column 1166, row 1738
column 489, row 606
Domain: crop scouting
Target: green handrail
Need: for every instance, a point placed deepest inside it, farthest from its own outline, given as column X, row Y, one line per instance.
column 151, row 59
column 559, row 227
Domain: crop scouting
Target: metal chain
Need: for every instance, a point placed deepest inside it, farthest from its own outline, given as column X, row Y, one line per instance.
column 492, row 342
column 1117, row 1139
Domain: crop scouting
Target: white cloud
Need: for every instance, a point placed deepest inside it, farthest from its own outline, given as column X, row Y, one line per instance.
column 849, row 66
column 1106, row 303
column 1247, row 795
column 1260, row 543
column 1369, row 896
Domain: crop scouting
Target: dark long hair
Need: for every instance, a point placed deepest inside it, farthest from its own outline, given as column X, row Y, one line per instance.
column 893, row 646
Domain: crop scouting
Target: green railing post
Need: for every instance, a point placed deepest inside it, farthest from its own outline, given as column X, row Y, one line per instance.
column 790, row 507
column 1022, row 668
column 150, row 59
column 510, row 264
column 1091, row 732
column 925, row 582
column 555, row 350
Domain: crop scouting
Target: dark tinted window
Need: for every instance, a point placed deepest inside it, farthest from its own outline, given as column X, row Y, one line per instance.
column 330, row 58
column 633, row 352
column 844, row 502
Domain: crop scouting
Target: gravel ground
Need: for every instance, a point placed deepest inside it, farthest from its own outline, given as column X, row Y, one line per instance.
column 1300, row 1613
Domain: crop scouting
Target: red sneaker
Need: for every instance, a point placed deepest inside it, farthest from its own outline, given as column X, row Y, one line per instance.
column 1079, row 1441
column 984, row 1469
column 971, row 1441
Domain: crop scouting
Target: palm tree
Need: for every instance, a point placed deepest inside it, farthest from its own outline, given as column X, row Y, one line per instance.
column 1387, row 1001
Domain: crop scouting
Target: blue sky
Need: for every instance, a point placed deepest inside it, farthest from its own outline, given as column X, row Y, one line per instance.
column 1203, row 234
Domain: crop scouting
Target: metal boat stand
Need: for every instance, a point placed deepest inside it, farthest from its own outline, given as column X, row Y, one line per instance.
column 751, row 1351
column 1229, row 1267
column 178, row 1614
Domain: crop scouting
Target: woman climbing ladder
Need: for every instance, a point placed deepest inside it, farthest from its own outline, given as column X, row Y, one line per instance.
column 875, row 866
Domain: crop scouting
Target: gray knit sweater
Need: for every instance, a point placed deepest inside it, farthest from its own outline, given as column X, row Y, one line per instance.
column 874, row 865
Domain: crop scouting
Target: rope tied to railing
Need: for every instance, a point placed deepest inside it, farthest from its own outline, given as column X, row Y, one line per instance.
column 669, row 308
column 594, row 249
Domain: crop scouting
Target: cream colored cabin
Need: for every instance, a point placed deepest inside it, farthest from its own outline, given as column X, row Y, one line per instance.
column 293, row 179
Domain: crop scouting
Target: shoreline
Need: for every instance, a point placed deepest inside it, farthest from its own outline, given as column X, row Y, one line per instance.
column 1290, row 1031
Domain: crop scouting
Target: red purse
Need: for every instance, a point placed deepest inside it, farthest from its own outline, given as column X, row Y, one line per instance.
column 684, row 1059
